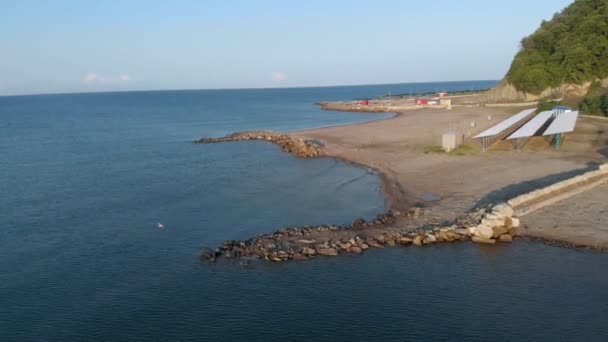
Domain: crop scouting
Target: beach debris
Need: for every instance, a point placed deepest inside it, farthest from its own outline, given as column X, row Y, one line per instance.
column 160, row 225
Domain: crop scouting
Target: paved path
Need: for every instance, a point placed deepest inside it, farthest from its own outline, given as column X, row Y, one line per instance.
column 581, row 219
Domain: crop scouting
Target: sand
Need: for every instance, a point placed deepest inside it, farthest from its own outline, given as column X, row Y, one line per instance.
column 396, row 148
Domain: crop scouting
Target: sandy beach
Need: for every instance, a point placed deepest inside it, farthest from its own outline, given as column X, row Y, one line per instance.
column 433, row 196
column 398, row 149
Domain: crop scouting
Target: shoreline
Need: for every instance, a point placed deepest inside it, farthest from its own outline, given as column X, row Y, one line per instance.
column 397, row 198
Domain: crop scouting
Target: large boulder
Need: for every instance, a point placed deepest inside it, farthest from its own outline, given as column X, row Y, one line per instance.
column 356, row 249
column 494, row 216
column 481, row 240
column 327, row 251
column 374, row 243
column 505, row 238
column 309, row 251
column 461, row 231
column 404, row 240
column 493, row 222
column 505, row 209
column 508, row 223
column 429, row 239
column 498, row 231
column 484, row 232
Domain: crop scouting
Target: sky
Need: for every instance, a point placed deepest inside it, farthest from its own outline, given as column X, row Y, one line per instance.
column 104, row 45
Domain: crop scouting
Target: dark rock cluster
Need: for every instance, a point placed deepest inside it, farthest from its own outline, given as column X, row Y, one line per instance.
column 288, row 143
column 307, row 242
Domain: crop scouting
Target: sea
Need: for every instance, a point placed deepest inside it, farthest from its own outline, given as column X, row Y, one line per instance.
column 85, row 180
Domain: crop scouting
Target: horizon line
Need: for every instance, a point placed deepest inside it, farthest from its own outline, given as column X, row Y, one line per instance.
column 244, row 88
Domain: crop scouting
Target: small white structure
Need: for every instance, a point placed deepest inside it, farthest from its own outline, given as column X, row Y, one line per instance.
column 451, row 141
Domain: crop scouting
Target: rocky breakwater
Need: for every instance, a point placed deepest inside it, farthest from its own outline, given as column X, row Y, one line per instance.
column 387, row 230
column 498, row 223
column 355, row 106
column 288, row 143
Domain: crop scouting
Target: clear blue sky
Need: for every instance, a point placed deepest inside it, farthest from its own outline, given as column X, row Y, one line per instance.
column 80, row 45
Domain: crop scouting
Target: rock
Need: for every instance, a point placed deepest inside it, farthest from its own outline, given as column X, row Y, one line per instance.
column 515, row 223
column 461, row 231
column 484, row 232
column 444, row 236
column 390, row 242
column 374, row 243
column 471, row 230
column 404, row 240
column 417, row 240
column 327, row 251
column 493, row 222
column 363, row 246
column 356, row 249
column 429, row 239
column 358, row 223
column 415, row 212
column 513, row 232
column 478, row 214
column 208, row 253
column 440, row 236
column 481, row 240
column 498, row 231
column 309, row 251
column 494, row 216
column 505, row 238
column 508, row 223
column 300, row 257
column 345, row 246
column 504, row 209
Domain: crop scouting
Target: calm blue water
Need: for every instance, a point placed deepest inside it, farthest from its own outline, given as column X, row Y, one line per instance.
column 85, row 178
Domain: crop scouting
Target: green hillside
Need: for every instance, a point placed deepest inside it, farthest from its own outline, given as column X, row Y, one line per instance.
column 570, row 48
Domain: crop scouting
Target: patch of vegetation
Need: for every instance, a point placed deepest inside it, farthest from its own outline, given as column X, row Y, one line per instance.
column 547, row 104
column 570, row 48
column 596, row 101
column 434, row 149
column 463, row 150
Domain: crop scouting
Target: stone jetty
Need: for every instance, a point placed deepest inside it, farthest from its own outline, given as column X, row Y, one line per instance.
column 484, row 226
column 355, row 106
column 291, row 144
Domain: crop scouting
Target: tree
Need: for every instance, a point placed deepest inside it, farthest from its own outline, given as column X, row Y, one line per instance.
column 604, row 104
column 572, row 47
